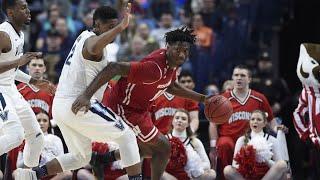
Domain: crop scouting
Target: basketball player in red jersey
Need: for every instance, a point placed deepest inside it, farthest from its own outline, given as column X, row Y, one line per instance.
column 37, row 98
column 244, row 100
column 141, row 83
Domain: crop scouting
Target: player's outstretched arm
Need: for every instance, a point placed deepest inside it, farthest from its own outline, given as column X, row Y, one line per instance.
column 94, row 45
column 104, row 76
column 178, row 90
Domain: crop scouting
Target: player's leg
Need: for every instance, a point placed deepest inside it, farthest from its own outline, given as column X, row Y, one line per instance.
column 113, row 128
column 225, row 148
column 160, row 155
column 79, row 153
column 11, row 130
column 34, row 137
column 151, row 142
column 231, row 173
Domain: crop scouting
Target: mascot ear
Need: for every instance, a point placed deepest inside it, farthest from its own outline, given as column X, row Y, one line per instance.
column 303, row 51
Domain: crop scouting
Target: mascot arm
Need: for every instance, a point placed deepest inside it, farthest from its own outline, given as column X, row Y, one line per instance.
column 299, row 121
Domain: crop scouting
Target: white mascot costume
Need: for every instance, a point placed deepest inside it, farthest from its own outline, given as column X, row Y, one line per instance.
column 308, row 71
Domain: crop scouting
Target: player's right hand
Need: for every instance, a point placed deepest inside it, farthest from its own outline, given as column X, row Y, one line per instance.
column 28, row 56
column 126, row 17
column 213, row 157
column 82, row 103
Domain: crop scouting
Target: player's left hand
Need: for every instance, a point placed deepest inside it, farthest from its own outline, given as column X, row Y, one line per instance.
column 82, row 103
column 44, row 85
column 283, row 128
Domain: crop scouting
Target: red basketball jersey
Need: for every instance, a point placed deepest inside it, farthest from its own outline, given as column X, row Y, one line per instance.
column 239, row 120
column 146, row 81
column 38, row 99
column 164, row 108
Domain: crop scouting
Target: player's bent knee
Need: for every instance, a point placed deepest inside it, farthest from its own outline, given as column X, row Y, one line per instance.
column 17, row 138
column 163, row 145
column 228, row 171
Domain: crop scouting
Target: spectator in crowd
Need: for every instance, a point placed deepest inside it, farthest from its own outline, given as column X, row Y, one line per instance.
column 227, row 85
column 201, row 59
column 135, row 50
column 266, row 161
column 244, row 100
column 52, row 54
column 165, row 25
column 275, row 88
column 151, row 44
column 159, row 7
column 198, row 164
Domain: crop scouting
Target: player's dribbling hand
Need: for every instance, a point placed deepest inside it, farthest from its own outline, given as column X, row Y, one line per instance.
column 44, row 85
column 82, row 103
column 126, row 17
column 28, row 56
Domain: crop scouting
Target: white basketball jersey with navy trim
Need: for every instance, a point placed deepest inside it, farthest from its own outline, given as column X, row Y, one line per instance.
column 77, row 72
column 17, row 42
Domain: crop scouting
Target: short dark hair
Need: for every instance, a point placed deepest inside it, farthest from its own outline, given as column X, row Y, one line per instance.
column 185, row 73
column 105, row 13
column 183, row 34
column 7, row 4
column 242, row 66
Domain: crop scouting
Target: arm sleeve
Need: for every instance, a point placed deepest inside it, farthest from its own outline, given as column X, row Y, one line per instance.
column 192, row 105
column 22, row 77
column 59, row 145
column 144, row 72
column 198, row 146
column 300, row 123
column 239, row 144
column 267, row 108
column 276, row 149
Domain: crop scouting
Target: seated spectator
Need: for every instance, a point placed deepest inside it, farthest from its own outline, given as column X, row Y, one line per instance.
column 151, row 44
column 257, row 154
column 204, row 34
column 52, row 146
column 198, row 164
column 227, row 85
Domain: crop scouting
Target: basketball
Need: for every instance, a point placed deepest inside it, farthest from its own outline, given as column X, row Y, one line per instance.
column 218, row 109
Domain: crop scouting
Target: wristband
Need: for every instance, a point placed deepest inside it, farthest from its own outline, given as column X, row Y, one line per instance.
column 22, row 77
column 213, row 143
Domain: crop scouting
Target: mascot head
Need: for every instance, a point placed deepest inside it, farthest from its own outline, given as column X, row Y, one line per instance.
column 308, row 69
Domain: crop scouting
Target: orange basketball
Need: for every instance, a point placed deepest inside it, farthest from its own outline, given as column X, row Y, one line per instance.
column 218, row 109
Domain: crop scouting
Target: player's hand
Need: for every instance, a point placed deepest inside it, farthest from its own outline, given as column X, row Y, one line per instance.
column 213, row 157
column 44, row 85
column 82, row 103
column 28, row 56
column 126, row 17
column 283, row 128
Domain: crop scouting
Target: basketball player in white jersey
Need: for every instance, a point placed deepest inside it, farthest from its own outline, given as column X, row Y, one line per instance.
column 17, row 120
column 85, row 60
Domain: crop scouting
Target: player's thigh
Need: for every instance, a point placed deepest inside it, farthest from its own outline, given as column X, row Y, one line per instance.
column 76, row 142
column 8, row 115
column 27, row 116
column 141, row 124
column 98, row 124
